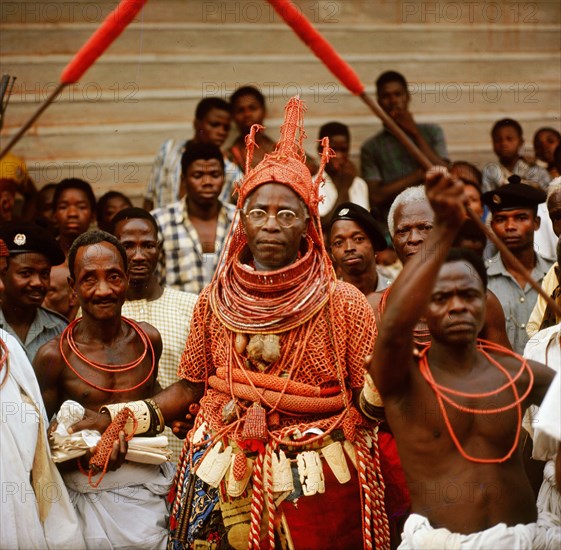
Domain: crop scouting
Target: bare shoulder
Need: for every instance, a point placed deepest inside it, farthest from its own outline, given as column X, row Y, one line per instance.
column 537, row 373
column 151, row 331
column 49, row 353
column 48, row 362
column 374, row 298
column 154, row 336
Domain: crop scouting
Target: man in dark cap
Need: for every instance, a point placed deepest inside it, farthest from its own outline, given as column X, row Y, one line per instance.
column 354, row 238
column 33, row 251
column 515, row 220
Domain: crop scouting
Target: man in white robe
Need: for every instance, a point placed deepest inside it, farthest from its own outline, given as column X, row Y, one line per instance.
column 544, row 424
column 35, row 510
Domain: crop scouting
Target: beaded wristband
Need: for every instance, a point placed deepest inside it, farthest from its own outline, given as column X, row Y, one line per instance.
column 371, row 395
column 158, row 426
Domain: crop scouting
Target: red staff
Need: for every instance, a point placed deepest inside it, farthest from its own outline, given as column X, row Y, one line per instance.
column 348, row 77
column 114, row 24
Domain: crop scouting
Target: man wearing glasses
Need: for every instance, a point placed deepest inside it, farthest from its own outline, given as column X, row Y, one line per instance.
column 280, row 454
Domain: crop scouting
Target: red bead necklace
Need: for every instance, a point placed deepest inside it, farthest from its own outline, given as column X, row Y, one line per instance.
column 68, row 337
column 441, row 391
column 4, row 362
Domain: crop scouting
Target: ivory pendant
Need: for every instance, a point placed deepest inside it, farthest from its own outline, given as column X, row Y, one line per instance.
column 311, row 473
column 282, row 474
column 236, row 487
column 335, row 457
column 214, row 465
column 199, row 433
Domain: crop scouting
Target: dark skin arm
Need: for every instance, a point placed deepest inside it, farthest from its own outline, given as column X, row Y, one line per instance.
column 48, row 369
column 406, row 122
column 174, row 403
column 383, row 192
column 412, row 289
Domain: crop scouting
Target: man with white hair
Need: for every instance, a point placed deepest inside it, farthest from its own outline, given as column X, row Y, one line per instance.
column 410, row 220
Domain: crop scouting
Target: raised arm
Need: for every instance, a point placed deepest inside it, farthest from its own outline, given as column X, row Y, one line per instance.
column 411, row 291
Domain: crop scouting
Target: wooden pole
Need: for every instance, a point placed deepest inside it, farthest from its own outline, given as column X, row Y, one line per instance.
column 426, row 164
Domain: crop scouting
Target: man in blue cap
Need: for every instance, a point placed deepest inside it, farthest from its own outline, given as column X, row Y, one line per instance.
column 33, row 251
column 515, row 220
column 354, row 239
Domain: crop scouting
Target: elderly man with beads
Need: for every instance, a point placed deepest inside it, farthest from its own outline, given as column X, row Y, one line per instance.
column 455, row 406
column 101, row 359
column 279, row 454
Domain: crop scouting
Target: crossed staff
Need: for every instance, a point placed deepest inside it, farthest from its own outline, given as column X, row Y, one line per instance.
column 116, row 22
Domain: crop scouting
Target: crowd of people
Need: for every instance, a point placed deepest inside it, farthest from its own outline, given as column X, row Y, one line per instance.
column 282, row 350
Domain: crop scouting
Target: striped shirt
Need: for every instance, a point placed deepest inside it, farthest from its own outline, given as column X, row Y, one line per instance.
column 182, row 262
column 171, row 315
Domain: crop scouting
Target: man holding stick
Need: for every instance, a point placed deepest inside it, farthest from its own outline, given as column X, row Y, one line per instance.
column 455, row 420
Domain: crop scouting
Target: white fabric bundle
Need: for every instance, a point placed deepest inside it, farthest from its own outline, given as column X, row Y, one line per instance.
column 65, row 446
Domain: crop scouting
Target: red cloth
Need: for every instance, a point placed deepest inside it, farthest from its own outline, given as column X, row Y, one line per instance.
column 398, row 500
column 332, row 519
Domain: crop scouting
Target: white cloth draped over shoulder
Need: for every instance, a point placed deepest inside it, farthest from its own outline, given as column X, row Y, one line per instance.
column 544, row 424
column 36, row 511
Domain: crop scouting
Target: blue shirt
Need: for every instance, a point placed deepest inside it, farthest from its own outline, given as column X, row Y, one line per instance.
column 46, row 326
column 517, row 302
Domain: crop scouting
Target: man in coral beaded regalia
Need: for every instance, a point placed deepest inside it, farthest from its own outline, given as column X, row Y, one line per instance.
column 278, row 446
column 280, row 454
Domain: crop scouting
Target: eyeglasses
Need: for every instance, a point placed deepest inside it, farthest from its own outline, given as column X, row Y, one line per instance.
column 285, row 218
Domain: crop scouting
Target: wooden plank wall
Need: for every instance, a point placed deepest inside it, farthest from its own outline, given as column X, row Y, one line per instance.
column 468, row 64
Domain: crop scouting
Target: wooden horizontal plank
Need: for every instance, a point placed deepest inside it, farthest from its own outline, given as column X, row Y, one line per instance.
column 192, row 39
column 326, row 12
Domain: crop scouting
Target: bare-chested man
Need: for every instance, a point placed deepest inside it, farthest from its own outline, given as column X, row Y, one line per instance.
column 463, row 465
column 91, row 363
